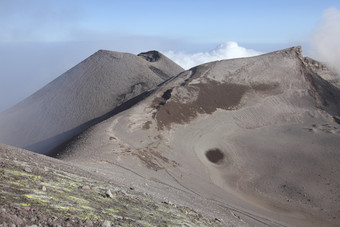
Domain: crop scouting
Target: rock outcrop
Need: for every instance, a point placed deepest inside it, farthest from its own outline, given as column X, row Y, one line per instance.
column 53, row 194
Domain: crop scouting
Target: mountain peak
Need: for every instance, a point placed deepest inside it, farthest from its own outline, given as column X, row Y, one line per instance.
column 151, row 56
column 101, row 51
column 91, row 90
column 292, row 51
column 297, row 50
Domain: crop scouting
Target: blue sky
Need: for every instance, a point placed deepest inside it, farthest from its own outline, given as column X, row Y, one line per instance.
column 262, row 21
column 40, row 39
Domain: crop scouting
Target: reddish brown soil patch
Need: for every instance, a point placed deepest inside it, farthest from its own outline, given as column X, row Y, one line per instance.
column 212, row 95
column 146, row 125
column 154, row 159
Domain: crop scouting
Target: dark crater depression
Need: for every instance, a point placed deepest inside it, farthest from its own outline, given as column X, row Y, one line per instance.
column 214, row 155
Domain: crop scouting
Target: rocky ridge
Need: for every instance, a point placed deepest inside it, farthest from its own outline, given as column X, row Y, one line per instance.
column 37, row 190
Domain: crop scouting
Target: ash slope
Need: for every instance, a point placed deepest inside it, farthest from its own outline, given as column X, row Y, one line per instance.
column 76, row 99
column 42, row 191
column 257, row 137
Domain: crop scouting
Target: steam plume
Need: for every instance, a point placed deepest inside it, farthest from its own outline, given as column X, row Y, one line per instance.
column 325, row 40
column 223, row 51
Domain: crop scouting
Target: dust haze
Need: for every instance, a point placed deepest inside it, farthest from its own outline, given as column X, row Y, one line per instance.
column 325, row 42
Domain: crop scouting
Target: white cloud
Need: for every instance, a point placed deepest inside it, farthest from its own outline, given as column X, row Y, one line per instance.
column 325, row 40
column 223, row 51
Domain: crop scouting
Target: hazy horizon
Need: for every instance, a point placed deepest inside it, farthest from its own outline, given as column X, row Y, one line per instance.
column 41, row 40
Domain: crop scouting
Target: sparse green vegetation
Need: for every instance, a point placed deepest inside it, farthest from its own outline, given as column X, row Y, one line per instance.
column 64, row 194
